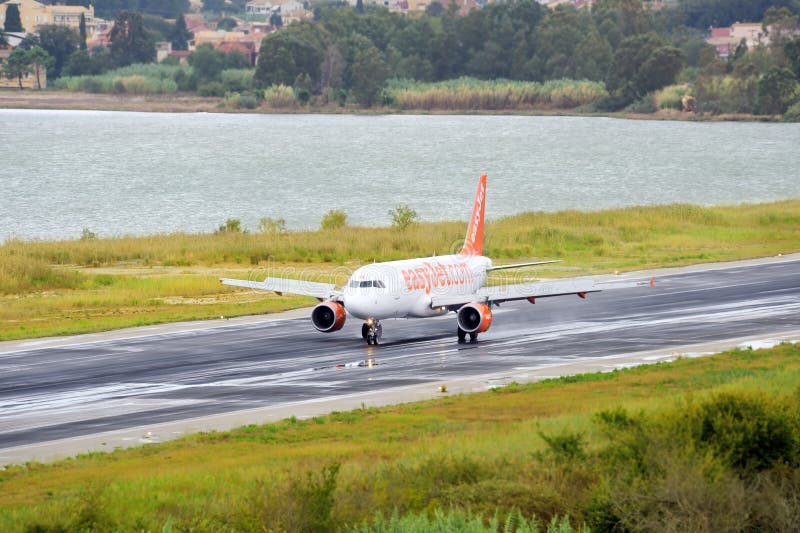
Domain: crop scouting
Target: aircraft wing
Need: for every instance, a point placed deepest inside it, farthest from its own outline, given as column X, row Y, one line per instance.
column 321, row 291
column 528, row 291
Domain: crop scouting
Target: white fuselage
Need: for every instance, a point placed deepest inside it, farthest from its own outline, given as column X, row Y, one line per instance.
column 402, row 289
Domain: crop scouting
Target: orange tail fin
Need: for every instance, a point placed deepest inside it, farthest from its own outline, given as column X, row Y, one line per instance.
column 473, row 243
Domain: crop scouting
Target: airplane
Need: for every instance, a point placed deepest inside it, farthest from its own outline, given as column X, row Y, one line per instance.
column 427, row 287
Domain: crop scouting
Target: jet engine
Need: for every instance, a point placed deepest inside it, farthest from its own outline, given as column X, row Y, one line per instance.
column 474, row 318
column 328, row 317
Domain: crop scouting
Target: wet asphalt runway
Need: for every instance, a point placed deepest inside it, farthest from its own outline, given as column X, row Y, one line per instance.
column 54, row 393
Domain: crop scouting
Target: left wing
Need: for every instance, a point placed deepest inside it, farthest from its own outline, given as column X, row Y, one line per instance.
column 321, row 291
column 531, row 291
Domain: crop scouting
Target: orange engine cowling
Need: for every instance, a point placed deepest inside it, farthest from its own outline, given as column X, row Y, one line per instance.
column 328, row 316
column 474, row 317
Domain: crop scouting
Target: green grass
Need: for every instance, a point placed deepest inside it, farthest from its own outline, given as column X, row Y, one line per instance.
column 466, row 94
column 59, row 287
column 542, row 450
column 133, row 79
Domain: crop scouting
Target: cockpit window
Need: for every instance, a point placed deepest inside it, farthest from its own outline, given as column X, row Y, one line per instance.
column 367, row 284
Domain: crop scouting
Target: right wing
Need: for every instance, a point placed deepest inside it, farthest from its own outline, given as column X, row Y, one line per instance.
column 533, row 290
column 321, row 291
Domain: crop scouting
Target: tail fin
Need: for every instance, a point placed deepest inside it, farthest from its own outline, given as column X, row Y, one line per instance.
column 473, row 242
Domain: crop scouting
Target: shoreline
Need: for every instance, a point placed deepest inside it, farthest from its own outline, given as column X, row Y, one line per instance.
column 188, row 103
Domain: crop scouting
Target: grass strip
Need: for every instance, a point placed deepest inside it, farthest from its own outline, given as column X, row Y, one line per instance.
column 95, row 284
column 544, row 450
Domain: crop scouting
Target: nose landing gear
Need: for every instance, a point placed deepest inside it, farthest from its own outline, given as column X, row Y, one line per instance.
column 371, row 331
column 462, row 336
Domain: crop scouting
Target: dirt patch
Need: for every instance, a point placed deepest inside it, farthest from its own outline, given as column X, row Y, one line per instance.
column 15, row 99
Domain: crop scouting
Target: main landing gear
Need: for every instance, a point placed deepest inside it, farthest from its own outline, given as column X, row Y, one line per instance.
column 462, row 336
column 371, row 331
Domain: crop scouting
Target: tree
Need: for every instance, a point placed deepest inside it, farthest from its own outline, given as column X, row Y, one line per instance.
column 227, row 24
column 17, row 64
column 207, row 62
column 13, row 22
column 181, row 35
column 60, row 42
column 643, row 63
column 359, row 6
column 129, row 41
column 792, row 51
column 276, row 20
column 403, row 216
column 217, row 6
column 39, row 59
column 369, row 72
column 593, row 58
column 777, row 89
column 231, row 225
column 82, row 32
column 271, row 225
column 434, row 9
column 333, row 219
column 288, row 53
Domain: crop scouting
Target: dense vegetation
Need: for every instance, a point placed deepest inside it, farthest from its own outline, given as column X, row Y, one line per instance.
column 95, row 283
column 710, row 444
column 633, row 50
column 361, row 55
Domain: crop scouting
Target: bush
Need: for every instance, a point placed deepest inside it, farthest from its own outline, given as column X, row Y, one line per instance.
column 237, row 80
column 792, row 114
column 279, row 96
column 302, row 94
column 748, row 431
column 213, row 88
column 232, row 225
column 334, row 219
column 272, row 225
column 248, row 101
column 403, row 216
column 133, row 79
column 671, row 97
column 644, row 105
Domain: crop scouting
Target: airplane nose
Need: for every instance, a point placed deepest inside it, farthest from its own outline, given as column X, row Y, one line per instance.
column 357, row 305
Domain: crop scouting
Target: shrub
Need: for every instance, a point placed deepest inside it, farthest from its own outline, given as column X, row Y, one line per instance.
column 279, row 96
column 272, row 225
column 748, row 431
column 302, row 94
column 403, row 216
column 248, row 101
column 671, row 97
column 645, row 105
column 334, row 219
column 237, row 80
column 232, row 225
column 213, row 88
column 792, row 114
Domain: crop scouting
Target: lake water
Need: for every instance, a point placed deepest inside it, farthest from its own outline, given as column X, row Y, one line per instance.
column 139, row 173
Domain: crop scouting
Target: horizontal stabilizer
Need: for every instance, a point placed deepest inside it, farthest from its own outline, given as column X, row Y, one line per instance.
column 324, row 291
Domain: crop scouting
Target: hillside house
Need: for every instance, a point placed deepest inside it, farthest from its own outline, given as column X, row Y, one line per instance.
column 34, row 14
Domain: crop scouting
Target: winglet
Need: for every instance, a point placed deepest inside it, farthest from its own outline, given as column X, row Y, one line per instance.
column 473, row 242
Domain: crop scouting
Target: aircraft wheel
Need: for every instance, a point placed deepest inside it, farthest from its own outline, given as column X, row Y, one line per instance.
column 473, row 337
column 462, row 335
column 365, row 332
